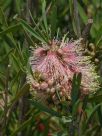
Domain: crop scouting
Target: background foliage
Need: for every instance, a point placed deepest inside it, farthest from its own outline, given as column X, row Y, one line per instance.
column 20, row 114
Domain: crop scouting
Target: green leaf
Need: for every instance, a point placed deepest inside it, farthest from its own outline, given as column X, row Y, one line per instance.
column 85, row 101
column 45, row 108
column 15, row 79
column 29, row 29
column 75, row 88
column 82, row 14
column 90, row 131
column 53, row 20
column 10, row 29
column 71, row 6
column 75, row 107
column 22, row 126
column 99, row 111
column 40, row 31
column 98, row 37
column 18, row 63
column 2, row 18
column 20, row 93
column 96, row 98
column 92, row 113
column 44, row 15
column 18, row 5
column 71, row 14
column 26, row 27
column 6, row 4
column 6, row 56
column 9, row 40
column 29, row 39
column 58, row 31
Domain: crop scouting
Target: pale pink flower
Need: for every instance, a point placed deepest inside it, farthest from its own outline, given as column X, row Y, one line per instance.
column 56, row 66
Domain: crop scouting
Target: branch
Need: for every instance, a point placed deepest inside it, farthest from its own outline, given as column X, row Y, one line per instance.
column 87, row 28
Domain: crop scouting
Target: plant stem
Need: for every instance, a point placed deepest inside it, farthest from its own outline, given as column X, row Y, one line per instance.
column 72, row 128
column 87, row 28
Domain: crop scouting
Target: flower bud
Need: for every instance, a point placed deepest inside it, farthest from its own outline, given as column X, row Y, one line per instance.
column 50, row 82
column 43, row 86
column 52, row 91
column 36, row 85
column 60, row 51
column 41, row 127
column 48, row 90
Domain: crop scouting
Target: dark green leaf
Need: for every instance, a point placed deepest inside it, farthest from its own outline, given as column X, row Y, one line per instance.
column 92, row 113
column 45, row 109
column 44, row 15
column 53, row 20
column 29, row 29
column 82, row 14
column 75, row 88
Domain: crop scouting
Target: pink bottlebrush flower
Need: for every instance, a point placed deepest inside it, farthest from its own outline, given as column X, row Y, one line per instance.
column 56, row 66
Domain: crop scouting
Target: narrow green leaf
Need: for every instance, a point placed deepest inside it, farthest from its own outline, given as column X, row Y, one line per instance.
column 40, row 31
column 58, row 31
column 95, row 98
column 45, row 109
column 29, row 29
column 71, row 6
column 6, row 56
column 53, row 20
column 71, row 14
column 99, row 111
column 18, row 6
column 74, row 27
column 18, row 63
column 15, row 79
column 75, row 107
column 92, row 113
column 89, row 132
column 29, row 39
column 82, row 14
column 75, row 88
column 6, row 4
column 20, row 93
column 98, row 37
column 10, row 29
column 2, row 18
column 22, row 126
column 26, row 27
column 44, row 15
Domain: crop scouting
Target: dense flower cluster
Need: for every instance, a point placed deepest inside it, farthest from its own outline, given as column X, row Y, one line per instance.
column 54, row 65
